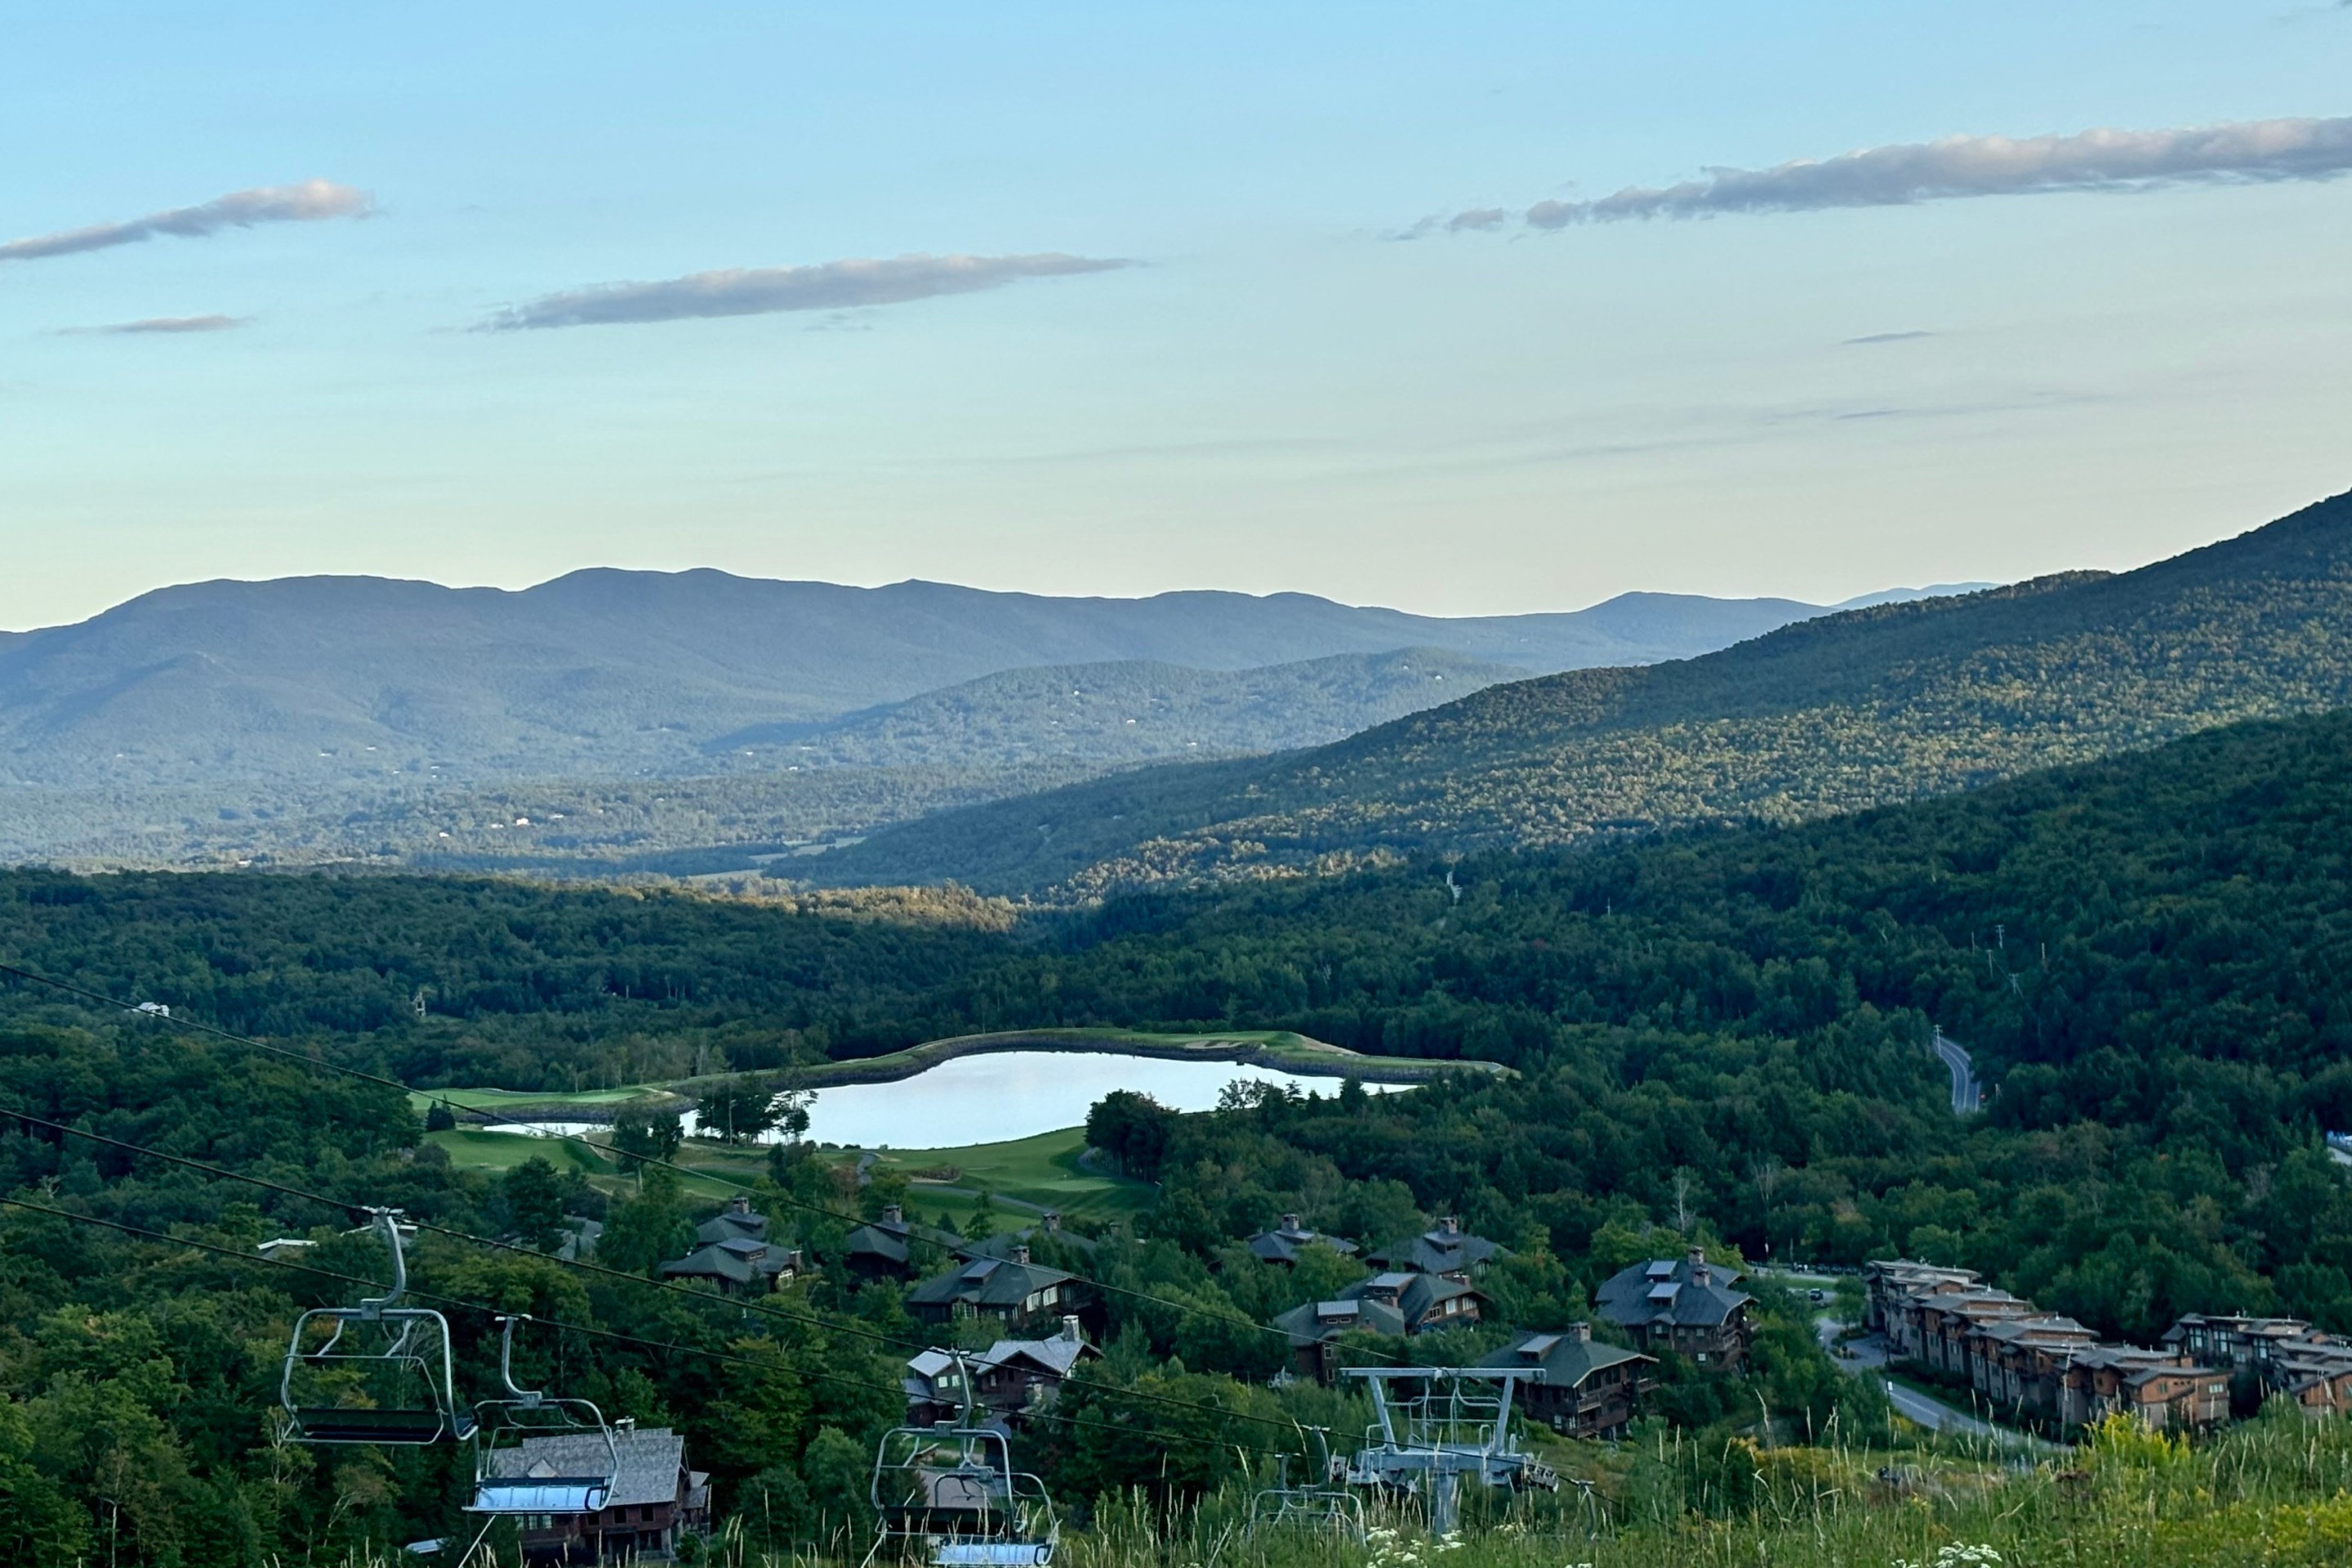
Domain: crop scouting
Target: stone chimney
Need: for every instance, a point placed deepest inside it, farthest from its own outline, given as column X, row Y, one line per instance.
column 1021, row 1253
column 894, row 1215
column 740, row 1204
column 1070, row 1329
column 1052, row 1222
column 1290, row 1222
column 1579, row 1333
column 1450, row 1226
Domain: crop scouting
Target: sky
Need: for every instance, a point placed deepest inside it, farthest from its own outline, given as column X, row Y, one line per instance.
column 1464, row 309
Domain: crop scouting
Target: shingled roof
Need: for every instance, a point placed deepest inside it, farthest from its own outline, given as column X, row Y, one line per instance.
column 1560, row 1360
column 1391, row 1303
column 1443, row 1248
column 740, row 1261
column 652, row 1460
column 1683, row 1292
column 1282, row 1244
column 988, row 1282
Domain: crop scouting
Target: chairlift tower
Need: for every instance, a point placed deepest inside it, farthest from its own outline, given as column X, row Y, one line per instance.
column 1435, row 1426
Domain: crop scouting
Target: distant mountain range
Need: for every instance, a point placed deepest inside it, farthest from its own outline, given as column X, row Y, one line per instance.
column 353, row 681
column 1839, row 713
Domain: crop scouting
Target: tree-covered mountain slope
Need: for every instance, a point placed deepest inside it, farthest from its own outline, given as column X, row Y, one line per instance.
column 1887, row 703
column 310, row 680
column 1131, row 712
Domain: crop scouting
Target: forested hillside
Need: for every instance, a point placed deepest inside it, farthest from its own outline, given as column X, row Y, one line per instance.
column 340, row 720
column 1889, row 703
column 1124, row 713
column 2143, row 954
column 606, row 673
column 1718, row 1038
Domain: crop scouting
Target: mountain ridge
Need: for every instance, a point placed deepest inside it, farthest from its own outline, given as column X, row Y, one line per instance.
column 605, row 668
column 1834, row 713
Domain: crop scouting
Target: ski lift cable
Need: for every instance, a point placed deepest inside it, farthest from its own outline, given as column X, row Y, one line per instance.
column 850, row 1330
column 786, row 1199
column 613, row 1335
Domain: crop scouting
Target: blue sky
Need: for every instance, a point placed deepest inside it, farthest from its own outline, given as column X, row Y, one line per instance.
column 1274, row 392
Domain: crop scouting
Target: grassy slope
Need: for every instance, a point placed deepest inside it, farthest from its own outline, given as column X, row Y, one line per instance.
column 1826, row 716
column 1040, row 1173
column 1043, row 1172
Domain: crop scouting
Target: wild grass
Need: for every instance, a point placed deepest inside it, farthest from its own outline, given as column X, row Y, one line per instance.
column 2274, row 1492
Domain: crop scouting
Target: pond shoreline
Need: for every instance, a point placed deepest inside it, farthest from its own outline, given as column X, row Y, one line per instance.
column 1273, row 1050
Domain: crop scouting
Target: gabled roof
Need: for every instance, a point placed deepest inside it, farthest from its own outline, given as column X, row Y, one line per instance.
column 652, row 1460
column 1367, row 1305
column 1670, row 1292
column 1282, row 1244
column 1319, row 1321
column 988, row 1282
column 1561, row 1361
column 1443, row 1248
column 741, row 1260
column 1056, row 1354
column 732, row 1221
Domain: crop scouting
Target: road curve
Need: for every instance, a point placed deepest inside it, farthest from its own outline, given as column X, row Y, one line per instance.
column 1967, row 1094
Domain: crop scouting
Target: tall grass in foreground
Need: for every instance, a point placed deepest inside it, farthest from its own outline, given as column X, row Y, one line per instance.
column 2275, row 1492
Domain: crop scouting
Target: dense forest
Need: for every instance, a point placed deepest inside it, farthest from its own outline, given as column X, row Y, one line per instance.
column 1889, row 703
column 1717, row 1038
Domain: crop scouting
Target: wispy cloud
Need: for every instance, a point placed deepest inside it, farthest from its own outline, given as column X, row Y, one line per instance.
column 759, row 290
column 164, row 324
column 2240, row 152
column 1869, row 338
column 308, row 202
column 1465, row 222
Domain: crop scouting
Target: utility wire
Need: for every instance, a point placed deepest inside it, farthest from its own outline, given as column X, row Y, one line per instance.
column 785, row 1198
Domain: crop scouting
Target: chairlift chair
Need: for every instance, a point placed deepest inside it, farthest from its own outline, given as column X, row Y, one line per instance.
column 1322, row 1502
column 952, row 1489
column 377, row 1373
column 581, row 1469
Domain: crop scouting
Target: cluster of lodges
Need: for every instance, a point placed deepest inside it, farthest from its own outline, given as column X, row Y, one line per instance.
column 1422, row 1284
column 2034, row 1365
column 1568, row 1381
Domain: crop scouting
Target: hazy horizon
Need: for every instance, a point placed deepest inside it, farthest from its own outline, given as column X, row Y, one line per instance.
column 519, row 588
column 1480, row 311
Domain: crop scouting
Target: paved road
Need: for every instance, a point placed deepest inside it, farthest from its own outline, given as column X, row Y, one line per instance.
column 1967, row 1094
column 1866, row 1357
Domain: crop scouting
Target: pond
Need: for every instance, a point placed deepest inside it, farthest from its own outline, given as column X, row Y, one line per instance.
column 996, row 1098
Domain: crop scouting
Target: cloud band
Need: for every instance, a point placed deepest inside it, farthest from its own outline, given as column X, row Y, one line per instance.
column 2098, row 160
column 751, row 291
column 309, row 201
column 165, row 325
